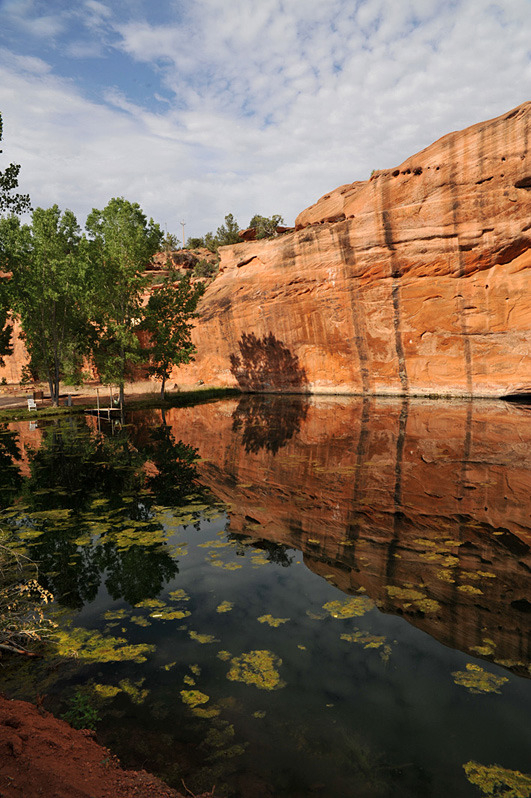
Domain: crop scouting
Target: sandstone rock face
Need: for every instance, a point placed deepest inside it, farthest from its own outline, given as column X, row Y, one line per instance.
column 417, row 281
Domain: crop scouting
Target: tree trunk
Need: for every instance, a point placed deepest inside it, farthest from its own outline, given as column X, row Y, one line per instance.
column 51, row 387
column 163, row 389
column 122, row 396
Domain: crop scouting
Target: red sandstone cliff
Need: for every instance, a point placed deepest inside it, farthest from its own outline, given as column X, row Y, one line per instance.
column 417, row 281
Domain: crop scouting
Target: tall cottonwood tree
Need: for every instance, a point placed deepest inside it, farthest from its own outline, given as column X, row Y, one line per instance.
column 122, row 244
column 50, row 292
column 169, row 320
column 12, row 203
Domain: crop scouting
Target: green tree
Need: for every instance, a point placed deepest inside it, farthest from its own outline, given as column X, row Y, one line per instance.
column 10, row 202
column 49, row 292
column 170, row 242
column 123, row 242
column 195, row 243
column 228, row 233
column 169, row 320
column 266, row 227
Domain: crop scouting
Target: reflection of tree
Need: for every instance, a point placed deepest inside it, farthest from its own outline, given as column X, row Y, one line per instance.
column 266, row 364
column 176, row 475
column 10, row 476
column 276, row 552
column 268, row 422
column 91, row 510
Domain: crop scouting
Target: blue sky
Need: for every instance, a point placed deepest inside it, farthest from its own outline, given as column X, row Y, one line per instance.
column 197, row 108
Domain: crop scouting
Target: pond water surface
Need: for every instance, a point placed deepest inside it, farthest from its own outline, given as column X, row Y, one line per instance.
column 284, row 596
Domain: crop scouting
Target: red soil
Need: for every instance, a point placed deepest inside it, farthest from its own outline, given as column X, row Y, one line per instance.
column 43, row 757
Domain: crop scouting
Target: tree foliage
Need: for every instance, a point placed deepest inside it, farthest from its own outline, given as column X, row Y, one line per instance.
column 49, row 287
column 226, row 233
column 9, row 201
column 12, row 203
column 169, row 320
column 122, row 243
column 266, row 227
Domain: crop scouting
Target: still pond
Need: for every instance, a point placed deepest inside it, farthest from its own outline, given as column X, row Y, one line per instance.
column 283, row 596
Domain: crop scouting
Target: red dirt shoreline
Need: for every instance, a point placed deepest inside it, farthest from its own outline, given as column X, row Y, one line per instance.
column 43, row 757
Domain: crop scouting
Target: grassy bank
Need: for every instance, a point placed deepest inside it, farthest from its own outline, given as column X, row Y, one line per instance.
column 133, row 402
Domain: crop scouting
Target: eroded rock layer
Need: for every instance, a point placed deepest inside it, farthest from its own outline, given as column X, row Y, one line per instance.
column 423, row 505
column 417, row 281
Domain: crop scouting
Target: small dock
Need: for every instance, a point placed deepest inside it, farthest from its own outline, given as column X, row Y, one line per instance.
column 111, row 413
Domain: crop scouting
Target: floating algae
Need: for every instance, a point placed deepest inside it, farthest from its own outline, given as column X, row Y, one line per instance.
column 170, row 615
column 413, row 598
column 272, row 621
column 189, row 680
column 351, row 608
column 140, row 620
column 495, row 780
column 179, row 595
column 225, row 606
column 202, row 638
column 364, row 639
column 223, row 655
column 258, row 668
column 470, row 589
column 92, row 646
column 194, row 697
column 477, row 680
column 134, row 691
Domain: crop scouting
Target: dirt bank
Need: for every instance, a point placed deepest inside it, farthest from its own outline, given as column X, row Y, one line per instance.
column 43, row 757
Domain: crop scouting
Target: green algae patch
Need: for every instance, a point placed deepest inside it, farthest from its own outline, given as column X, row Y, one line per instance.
column 228, row 566
column 170, row 615
column 134, row 690
column 189, row 680
column 225, row 606
column 353, row 607
column 495, row 780
column 150, row 603
column 179, row 595
column 315, row 616
column 274, row 622
column 114, row 615
column 106, row 691
column 365, row 639
column 140, row 620
column 470, row 589
column 224, row 656
column 258, row 668
column 196, row 670
column 92, row 646
column 194, row 697
column 199, row 638
column 411, row 598
column 477, row 680
column 259, row 714
column 486, row 648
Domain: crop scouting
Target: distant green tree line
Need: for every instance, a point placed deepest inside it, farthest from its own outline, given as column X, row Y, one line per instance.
column 228, row 233
column 80, row 295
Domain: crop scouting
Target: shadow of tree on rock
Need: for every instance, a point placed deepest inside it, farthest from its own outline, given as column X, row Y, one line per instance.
column 268, row 422
column 266, row 364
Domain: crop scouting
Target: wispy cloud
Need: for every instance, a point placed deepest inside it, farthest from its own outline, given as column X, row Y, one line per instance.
column 251, row 107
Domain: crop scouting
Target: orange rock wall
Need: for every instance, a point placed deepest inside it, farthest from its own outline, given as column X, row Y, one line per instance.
column 417, row 281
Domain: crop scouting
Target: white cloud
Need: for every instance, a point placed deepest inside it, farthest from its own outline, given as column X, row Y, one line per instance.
column 274, row 103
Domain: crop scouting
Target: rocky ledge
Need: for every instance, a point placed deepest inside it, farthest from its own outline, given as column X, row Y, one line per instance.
column 414, row 282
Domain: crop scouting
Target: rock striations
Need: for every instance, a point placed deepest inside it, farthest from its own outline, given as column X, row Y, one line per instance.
column 417, row 281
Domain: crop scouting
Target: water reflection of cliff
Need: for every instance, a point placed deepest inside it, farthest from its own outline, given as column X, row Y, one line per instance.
column 425, row 505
